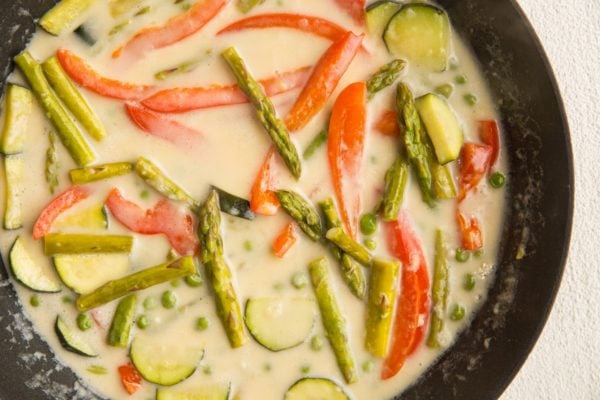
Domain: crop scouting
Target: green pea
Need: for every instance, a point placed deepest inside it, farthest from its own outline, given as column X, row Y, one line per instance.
column 67, row 299
column 445, row 90
column 299, row 280
column 35, row 301
column 458, row 313
column 267, row 367
column 305, row 369
column 497, row 180
column 462, row 255
column 316, row 343
column 84, row 322
column 194, row 280
column 143, row 322
column 368, row 366
column 470, row 99
column 150, row 303
column 172, row 255
column 248, row 246
column 207, row 370
column 460, row 79
column 175, row 283
column 469, row 282
column 370, row 244
column 202, row 323
column 168, row 299
column 478, row 253
column 145, row 194
column 368, row 224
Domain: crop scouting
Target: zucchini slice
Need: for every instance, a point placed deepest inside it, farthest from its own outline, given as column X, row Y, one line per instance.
column 19, row 105
column 234, row 205
column 315, row 389
column 280, row 323
column 164, row 363
column 204, row 392
column 61, row 17
column 421, row 33
column 13, row 170
column 71, row 341
column 379, row 13
column 86, row 34
column 82, row 273
column 442, row 127
column 28, row 272
column 93, row 218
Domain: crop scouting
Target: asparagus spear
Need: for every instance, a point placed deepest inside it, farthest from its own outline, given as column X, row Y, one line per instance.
column 351, row 270
column 395, row 182
column 137, row 281
column 440, row 288
column 72, row 98
column 355, row 250
column 386, row 76
column 121, row 7
column 410, row 123
column 19, row 105
column 333, row 320
column 52, row 163
column 60, row 243
column 314, row 145
column 218, row 272
column 68, row 132
column 99, row 172
column 380, row 307
column 154, row 177
column 302, row 212
column 265, row 112
column 120, row 327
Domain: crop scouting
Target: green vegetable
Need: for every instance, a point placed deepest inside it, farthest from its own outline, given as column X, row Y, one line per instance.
column 497, row 180
column 234, row 205
column 99, row 172
column 316, row 343
column 182, row 68
column 355, row 250
column 52, row 163
column 445, row 90
column 469, row 282
column 194, row 280
column 370, row 244
column 86, row 34
column 61, row 17
column 202, row 324
column 393, row 193
column 299, row 280
column 150, row 303
column 315, row 388
column 443, row 182
column 302, row 212
column 265, row 112
column 120, row 327
column 121, row 7
column 168, row 299
column 14, row 169
column 305, row 369
column 386, row 76
column 439, row 296
column 368, row 366
column 97, row 370
column 30, row 273
column 218, row 391
column 470, row 99
column 143, row 322
column 84, row 322
column 247, row 5
column 368, row 224
column 458, row 313
column 82, row 273
column 217, row 271
column 35, row 301
column 18, row 109
column 71, row 341
column 460, row 79
column 315, row 144
column 461, row 255
column 378, row 15
column 333, row 320
column 62, row 243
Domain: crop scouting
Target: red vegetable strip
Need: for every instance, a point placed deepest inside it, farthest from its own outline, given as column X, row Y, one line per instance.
column 473, row 163
column 490, row 135
column 285, row 240
column 130, row 378
column 263, row 199
column 161, row 126
column 57, row 206
column 323, row 81
column 412, row 308
column 306, row 23
column 345, row 149
column 187, row 99
column 387, row 124
column 470, row 232
column 164, row 218
column 356, row 8
column 175, row 30
column 85, row 76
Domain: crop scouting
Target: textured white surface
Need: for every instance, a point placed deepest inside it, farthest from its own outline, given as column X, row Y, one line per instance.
column 565, row 364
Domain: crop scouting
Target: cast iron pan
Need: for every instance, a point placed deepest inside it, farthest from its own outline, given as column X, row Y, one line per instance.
column 489, row 353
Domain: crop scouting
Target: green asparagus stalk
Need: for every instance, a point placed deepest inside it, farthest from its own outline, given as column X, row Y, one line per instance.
column 99, row 172
column 440, row 290
column 72, row 98
column 351, row 270
column 395, row 183
column 68, row 132
column 19, row 106
column 61, row 17
column 121, row 7
column 355, row 250
column 52, row 163
column 265, row 112
column 302, row 212
column 217, row 271
column 182, row 68
column 315, row 144
column 157, row 179
column 410, row 123
column 247, row 5
column 61, row 243
column 333, row 320
column 138, row 281
column 380, row 308
column 120, row 328
column 386, row 76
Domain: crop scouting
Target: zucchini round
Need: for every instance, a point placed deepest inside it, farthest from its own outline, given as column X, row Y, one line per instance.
column 315, row 389
column 71, row 341
column 379, row 13
column 204, row 392
column 82, row 273
column 29, row 273
column 93, row 218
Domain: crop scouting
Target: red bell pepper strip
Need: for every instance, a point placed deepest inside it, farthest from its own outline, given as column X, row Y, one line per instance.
column 356, row 8
column 473, row 164
column 345, row 149
column 130, row 378
column 490, row 135
column 306, row 23
column 161, row 126
column 164, row 218
column 412, row 307
column 285, row 240
column 57, row 206
column 470, row 232
column 323, row 81
column 263, row 199
column 174, row 30
column 387, row 124
column 85, row 76
column 179, row 100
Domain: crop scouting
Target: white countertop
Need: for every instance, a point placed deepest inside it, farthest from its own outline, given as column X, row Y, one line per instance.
column 565, row 363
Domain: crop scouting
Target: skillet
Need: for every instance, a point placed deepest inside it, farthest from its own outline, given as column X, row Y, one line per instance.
column 535, row 238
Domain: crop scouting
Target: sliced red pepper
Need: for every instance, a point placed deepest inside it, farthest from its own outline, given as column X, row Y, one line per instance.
column 345, row 147
column 163, row 127
column 57, row 206
column 130, row 378
column 174, row 30
column 470, row 232
column 474, row 162
column 387, row 124
column 306, row 23
column 187, row 99
column 285, row 240
column 489, row 134
column 85, row 76
column 164, row 218
column 323, row 80
column 263, row 199
column 412, row 307
column 356, row 8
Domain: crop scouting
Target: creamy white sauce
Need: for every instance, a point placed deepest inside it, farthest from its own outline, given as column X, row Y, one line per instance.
column 231, row 150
